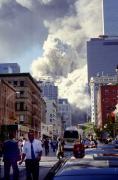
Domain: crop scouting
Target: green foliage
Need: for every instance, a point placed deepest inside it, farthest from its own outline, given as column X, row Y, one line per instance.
column 88, row 128
column 109, row 127
column 97, row 131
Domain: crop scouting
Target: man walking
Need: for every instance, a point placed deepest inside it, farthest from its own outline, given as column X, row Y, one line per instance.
column 32, row 150
column 11, row 155
column 46, row 146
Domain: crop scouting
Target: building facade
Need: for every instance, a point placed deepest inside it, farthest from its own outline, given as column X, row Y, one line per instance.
column 95, row 83
column 52, row 116
column 107, row 99
column 9, row 68
column 7, row 104
column 64, row 110
column 28, row 103
column 49, row 89
column 102, row 56
column 110, row 17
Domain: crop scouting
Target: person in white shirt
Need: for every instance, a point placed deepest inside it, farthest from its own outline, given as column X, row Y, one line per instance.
column 32, row 151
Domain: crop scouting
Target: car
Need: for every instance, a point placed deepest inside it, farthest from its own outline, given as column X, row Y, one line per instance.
column 86, row 143
column 115, row 143
column 90, row 143
column 93, row 144
column 84, row 169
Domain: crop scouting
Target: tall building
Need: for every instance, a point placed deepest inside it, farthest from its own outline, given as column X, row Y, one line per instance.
column 102, row 56
column 64, row 111
column 51, row 116
column 110, row 17
column 49, row 89
column 9, row 68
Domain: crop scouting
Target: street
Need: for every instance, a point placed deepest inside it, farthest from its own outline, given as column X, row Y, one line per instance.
column 48, row 161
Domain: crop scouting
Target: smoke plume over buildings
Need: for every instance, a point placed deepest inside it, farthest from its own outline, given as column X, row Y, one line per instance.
column 62, row 28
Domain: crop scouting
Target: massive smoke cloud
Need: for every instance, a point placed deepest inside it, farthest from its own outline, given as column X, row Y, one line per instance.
column 62, row 28
column 64, row 56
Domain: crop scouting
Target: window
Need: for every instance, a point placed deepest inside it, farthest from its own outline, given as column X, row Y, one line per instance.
column 21, row 106
column 15, row 83
column 106, row 91
column 21, row 93
column 71, row 134
column 17, row 106
column 22, row 83
column 21, row 118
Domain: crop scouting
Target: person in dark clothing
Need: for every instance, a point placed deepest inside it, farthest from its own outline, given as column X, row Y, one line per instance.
column 60, row 149
column 46, row 146
column 54, row 144
column 11, row 155
column 78, row 149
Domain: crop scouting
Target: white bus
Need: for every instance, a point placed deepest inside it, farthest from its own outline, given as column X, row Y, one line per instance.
column 70, row 135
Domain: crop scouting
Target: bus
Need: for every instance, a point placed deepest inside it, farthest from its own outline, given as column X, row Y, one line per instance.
column 70, row 135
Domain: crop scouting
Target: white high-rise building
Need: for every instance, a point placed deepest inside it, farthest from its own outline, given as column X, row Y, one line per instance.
column 110, row 17
column 52, row 118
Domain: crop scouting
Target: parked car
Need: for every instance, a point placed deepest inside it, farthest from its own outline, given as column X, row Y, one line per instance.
column 90, row 143
column 115, row 143
column 84, row 169
column 86, row 143
column 93, row 144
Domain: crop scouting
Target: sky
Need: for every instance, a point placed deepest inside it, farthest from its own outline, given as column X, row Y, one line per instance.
column 48, row 38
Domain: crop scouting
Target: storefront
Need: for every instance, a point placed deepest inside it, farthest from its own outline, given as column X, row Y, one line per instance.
column 19, row 130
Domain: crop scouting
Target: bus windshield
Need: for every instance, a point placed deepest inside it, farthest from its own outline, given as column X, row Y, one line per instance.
column 71, row 134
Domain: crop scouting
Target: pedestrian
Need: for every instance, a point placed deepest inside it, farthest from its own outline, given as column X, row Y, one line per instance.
column 20, row 145
column 78, row 149
column 32, row 151
column 11, row 155
column 60, row 149
column 54, row 144
column 1, row 147
column 24, row 140
column 46, row 146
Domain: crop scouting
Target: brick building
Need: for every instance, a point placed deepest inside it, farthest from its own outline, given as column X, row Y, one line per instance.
column 107, row 98
column 29, row 105
column 7, row 103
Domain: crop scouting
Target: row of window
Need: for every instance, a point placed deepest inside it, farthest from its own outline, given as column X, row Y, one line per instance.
column 111, row 91
column 64, row 108
column 17, row 83
column 20, row 106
